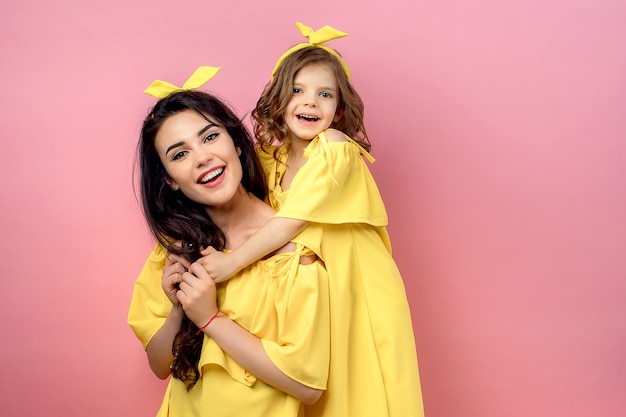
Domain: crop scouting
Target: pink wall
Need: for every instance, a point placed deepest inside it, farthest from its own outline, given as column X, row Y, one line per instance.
column 500, row 137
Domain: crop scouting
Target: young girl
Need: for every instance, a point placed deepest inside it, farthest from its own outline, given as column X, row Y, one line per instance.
column 318, row 180
column 258, row 344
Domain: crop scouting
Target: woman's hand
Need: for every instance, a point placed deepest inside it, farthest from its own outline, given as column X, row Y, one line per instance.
column 197, row 294
column 219, row 265
column 172, row 276
column 159, row 349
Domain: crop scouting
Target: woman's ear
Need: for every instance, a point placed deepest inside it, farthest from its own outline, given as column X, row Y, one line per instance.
column 238, row 151
column 172, row 184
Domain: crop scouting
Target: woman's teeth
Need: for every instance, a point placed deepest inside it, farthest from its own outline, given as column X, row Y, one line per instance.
column 208, row 177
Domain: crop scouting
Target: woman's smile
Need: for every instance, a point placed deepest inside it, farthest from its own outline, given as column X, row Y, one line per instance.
column 211, row 177
column 200, row 158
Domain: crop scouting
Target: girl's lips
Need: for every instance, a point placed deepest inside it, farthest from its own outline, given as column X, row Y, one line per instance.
column 307, row 117
column 307, row 120
column 210, row 175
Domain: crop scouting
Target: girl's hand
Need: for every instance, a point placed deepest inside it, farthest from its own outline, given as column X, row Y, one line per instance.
column 172, row 276
column 219, row 265
column 197, row 294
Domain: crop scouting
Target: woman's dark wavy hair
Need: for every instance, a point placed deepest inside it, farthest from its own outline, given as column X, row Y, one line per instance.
column 172, row 217
column 267, row 117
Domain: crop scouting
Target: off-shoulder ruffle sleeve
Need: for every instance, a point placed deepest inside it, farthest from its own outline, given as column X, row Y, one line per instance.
column 301, row 349
column 334, row 186
column 279, row 300
column 149, row 306
column 213, row 355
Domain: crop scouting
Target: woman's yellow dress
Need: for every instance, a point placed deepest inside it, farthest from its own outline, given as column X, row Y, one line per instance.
column 373, row 361
column 279, row 300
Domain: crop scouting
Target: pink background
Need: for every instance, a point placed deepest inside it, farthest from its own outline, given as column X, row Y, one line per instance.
column 499, row 129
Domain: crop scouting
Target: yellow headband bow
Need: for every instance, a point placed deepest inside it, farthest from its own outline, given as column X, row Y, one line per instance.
column 316, row 38
column 161, row 89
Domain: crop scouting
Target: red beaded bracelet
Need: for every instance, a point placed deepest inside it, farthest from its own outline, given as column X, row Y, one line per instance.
column 201, row 329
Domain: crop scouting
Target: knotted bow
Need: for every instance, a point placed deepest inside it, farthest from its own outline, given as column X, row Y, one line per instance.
column 316, row 38
column 161, row 89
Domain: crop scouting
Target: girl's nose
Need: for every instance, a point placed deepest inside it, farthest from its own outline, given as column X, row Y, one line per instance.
column 310, row 100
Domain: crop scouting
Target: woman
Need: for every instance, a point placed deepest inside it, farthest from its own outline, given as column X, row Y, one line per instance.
column 257, row 344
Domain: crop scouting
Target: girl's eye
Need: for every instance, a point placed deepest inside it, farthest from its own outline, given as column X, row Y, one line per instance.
column 297, row 90
column 326, row 95
column 210, row 137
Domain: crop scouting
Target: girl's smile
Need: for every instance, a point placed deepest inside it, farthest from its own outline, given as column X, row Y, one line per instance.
column 313, row 105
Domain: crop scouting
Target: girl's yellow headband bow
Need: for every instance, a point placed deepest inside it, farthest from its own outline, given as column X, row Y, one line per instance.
column 161, row 89
column 316, row 38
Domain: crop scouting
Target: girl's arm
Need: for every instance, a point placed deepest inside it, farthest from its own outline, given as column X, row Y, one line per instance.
column 197, row 295
column 273, row 235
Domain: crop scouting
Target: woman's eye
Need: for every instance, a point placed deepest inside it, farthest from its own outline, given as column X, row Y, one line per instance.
column 210, row 137
column 178, row 155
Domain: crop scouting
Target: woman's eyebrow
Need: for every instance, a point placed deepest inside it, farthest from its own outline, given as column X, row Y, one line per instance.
column 205, row 128
column 176, row 145
column 200, row 132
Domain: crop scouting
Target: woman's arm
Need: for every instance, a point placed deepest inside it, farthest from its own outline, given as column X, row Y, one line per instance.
column 197, row 295
column 248, row 350
column 274, row 234
column 159, row 349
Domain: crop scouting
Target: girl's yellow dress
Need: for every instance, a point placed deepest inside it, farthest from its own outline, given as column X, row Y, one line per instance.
column 281, row 301
column 373, row 361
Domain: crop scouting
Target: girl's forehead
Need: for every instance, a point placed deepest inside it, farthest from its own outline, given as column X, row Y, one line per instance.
column 316, row 70
column 315, row 66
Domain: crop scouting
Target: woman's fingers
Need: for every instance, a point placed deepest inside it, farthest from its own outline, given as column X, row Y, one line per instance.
column 197, row 293
column 178, row 259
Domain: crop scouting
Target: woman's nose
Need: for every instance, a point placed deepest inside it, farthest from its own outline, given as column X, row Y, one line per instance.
column 204, row 156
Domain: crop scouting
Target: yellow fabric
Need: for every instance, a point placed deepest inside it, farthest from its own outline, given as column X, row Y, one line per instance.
column 277, row 299
column 316, row 38
column 161, row 89
column 373, row 367
column 338, row 189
